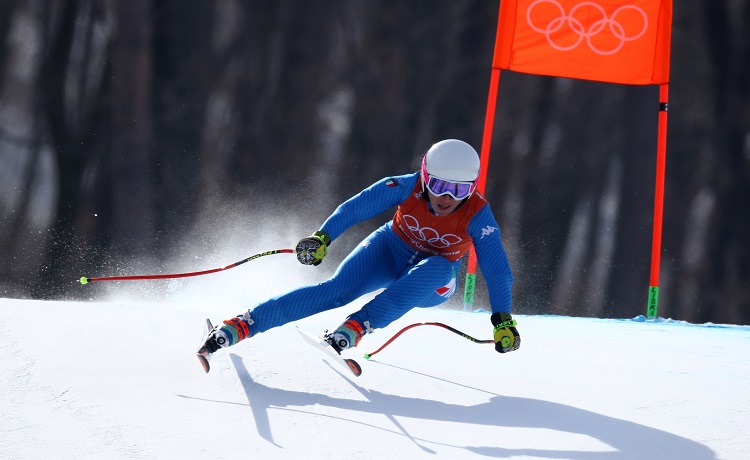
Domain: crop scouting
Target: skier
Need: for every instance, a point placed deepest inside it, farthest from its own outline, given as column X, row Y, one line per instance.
column 415, row 256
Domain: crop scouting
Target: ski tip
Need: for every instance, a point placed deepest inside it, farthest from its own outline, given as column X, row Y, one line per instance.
column 202, row 354
column 204, row 362
column 354, row 366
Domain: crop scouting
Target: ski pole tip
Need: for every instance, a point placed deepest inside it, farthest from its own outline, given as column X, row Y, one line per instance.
column 83, row 280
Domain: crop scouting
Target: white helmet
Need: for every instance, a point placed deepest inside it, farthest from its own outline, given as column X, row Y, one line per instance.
column 451, row 160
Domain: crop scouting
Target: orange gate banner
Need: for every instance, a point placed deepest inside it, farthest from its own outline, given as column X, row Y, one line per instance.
column 614, row 41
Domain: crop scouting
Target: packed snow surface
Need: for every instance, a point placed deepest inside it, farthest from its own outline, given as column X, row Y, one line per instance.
column 120, row 380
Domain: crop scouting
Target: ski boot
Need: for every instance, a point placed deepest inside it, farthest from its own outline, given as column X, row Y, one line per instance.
column 232, row 331
column 347, row 335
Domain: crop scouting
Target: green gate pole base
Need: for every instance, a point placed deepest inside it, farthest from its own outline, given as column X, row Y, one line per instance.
column 471, row 280
column 653, row 302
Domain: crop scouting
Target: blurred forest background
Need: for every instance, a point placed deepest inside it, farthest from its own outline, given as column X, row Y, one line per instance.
column 125, row 124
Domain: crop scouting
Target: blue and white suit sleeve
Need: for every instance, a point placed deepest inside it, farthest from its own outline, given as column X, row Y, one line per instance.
column 370, row 202
column 485, row 232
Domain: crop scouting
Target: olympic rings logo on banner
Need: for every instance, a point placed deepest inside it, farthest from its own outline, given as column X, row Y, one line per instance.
column 429, row 235
column 595, row 28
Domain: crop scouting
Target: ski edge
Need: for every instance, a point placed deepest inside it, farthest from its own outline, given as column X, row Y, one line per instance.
column 320, row 343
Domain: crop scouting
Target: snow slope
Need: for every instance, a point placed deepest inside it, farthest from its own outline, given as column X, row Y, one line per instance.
column 119, row 380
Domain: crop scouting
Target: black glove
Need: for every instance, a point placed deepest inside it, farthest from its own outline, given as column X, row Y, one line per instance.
column 311, row 250
column 505, row 333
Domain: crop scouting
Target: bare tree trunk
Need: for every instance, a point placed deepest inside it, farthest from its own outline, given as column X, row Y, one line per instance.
column 572, row 269
column 605, row 238
column 132, row 169
column 628, row 287
column 715, row 270
column 52, row 280
column 727, row 291
column 18, row 220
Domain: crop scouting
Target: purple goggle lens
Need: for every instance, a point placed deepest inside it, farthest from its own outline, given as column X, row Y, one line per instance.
column 458, row 190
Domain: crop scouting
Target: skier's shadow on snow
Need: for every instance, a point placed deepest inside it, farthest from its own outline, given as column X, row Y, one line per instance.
column 628, row 440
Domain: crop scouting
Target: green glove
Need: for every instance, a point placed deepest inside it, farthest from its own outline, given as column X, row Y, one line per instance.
column 311, row 250
column 505, row 333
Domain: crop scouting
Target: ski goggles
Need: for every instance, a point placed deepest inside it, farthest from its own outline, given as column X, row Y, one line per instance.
column 458, row 190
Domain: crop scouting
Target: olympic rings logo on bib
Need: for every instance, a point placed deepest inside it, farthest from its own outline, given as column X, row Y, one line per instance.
column 429, row 235
column 585, row 29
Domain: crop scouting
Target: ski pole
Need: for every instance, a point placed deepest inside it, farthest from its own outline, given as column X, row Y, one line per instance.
column 444, row 326
column 85, row 280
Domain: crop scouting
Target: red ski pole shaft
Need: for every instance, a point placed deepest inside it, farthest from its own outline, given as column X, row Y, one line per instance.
column 444, row 326
column 85, row 280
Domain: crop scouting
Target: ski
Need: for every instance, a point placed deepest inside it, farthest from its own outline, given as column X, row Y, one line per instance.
column 203, row 355
column 321, row 344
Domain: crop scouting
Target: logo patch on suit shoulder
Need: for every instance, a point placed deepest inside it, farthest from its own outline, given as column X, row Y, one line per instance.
column 391, row 182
